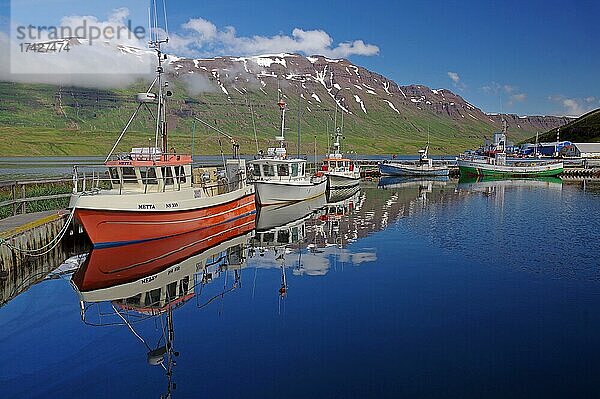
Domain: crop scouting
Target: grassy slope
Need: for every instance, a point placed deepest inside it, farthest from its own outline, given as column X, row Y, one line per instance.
column 33, row 123
column 582, row 130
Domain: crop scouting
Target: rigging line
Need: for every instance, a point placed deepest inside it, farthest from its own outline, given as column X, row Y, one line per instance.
column 130, row 327
column 254, row 127
column 150, row 24
column 123, row 132
column 165, row 13
column 156, row 22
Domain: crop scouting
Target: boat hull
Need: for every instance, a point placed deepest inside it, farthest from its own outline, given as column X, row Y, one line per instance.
column 337, row 181
column 474, row 168
column 107, row 227
column 280, row 192
column 393, row 169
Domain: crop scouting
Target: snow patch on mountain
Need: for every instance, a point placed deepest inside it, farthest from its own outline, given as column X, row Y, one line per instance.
column 392, row 106
column 360, row 101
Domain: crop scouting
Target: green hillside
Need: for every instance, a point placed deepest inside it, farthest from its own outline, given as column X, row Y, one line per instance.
column 584, row 129
column 38, row 119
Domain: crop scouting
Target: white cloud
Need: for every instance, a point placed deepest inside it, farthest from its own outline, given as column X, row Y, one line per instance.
column 456, row 80
column 202, row 38
column 100, row 64
column 454, row 76
column 516, row 98
column 575, row 106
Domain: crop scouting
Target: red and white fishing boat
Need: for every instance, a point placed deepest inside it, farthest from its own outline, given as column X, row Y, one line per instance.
column 151, row 192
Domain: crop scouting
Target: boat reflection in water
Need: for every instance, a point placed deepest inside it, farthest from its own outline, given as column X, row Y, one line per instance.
column 486, row 183
column 309, row 237
column 133, row 284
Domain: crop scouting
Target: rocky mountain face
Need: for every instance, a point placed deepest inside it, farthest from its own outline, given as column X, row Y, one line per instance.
column 238, row 95
column 355, row 89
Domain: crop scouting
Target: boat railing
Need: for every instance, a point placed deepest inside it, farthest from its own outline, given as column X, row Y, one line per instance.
column 92, row 179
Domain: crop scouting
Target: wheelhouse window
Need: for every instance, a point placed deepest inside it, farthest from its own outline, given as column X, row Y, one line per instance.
column 283, row 237
column 184, row 285
column 114, row 175
column 149, row 176
column 268, row 170
column 180, row 174
column 129, row 175
column 152, row 298
column 171, row 291
column 283, row 170
column 294, row 170
column 332, row 164
column 167, row 175
column 256, row 170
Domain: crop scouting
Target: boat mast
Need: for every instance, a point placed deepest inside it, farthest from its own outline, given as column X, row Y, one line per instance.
column 336, row 143
column 281, row 138
column 161, row 122
column 504, row 132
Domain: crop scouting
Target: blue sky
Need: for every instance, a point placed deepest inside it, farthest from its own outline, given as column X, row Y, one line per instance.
column 535, row 57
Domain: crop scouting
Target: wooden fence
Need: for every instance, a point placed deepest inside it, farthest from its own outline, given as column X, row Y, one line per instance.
column 18, row 193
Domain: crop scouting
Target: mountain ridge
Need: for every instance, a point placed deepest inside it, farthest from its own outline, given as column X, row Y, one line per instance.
column 239, row 95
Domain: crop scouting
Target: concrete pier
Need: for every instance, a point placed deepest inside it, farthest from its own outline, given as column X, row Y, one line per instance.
column 19, row 269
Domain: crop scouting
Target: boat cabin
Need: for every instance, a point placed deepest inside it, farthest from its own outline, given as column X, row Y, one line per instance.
column 335, row 163
column 289, row 234
column 150, row 171
column 278, row 169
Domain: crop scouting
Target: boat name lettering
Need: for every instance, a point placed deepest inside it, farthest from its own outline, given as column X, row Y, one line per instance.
column 172, row 205
column 146, row 206
column 173, row 270
column 148, row 279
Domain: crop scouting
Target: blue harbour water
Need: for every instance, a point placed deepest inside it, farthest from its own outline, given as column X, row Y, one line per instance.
column 416, row 289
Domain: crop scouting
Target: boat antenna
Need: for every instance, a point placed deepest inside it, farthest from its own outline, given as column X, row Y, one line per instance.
column 299, row 114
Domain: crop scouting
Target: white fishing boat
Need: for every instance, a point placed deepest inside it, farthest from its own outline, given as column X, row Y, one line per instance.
column 341, row 172
column 278, row 179
column 422, row 167
column 152, row 192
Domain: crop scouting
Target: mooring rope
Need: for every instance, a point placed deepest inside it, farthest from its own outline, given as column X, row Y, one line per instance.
column 50, row 245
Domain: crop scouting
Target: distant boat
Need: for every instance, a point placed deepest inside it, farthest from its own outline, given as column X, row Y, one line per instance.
column 341, row 172
column 278, row 179
column 497, row 165
column 422, row 167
